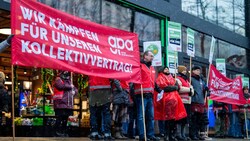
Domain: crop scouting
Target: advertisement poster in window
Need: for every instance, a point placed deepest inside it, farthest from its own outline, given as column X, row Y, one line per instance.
column 221, row 65
column 172, row 58
column 245, row 81
column 174, row 36
column 190, row 42
column 155, row 47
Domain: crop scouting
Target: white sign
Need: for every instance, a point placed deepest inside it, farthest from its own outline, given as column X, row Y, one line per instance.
column 155, row 47
column 172, row 61
column 174, row 36
column 221, row 66
column 190, row 42
column 211, row 54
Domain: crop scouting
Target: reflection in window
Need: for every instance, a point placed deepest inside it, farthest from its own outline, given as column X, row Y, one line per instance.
column 148, row 28
column 226, row 13
column 86, row 9
column 116, row 16
column 234, row 55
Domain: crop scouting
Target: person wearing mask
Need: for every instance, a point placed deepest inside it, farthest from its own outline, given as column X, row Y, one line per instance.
column 121, row 100
column 170, row 107
column 64, row 92
column 100, row 98
column 186, row 91
column 4, row 44
column 198, row 118
column 148, row 86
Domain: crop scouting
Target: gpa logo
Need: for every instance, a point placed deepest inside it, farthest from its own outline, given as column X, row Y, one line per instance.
column 119, row 46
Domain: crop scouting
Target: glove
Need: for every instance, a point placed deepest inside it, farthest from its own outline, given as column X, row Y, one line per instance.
column 9, row 38
column 170, row 88
column 191, row 93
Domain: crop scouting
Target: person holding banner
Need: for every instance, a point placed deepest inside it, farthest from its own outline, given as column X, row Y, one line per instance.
column 246, row 114
column 64, row 92
column 100, row 98
column 199, row 119
column 148, row 86
column 170, row 107
column 186, row 91
column 4, row 44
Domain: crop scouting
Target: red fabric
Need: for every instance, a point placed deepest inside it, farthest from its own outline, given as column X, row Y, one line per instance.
column 57, row 93
column 170, row 107
column 185, row 83
column 48, row 38
column 98, row 81
column 223, row 89
column 196, row 107
column 148, row 80
column 124, row 85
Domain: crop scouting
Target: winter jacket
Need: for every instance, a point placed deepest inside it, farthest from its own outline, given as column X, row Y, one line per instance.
column 186, row 90
column 67, row 100
column 120, row 92
column 199, row 88
column 170, row 107
column 3, row 99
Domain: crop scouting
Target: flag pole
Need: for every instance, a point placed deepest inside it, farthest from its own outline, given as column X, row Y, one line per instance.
column 143, row 114
column 12, row 101
column 190, row 69
column 245, row 114
column 207, row 98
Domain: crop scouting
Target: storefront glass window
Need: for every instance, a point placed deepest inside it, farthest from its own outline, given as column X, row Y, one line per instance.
column 147, row 27
column 89, row 10
column 229, row 14
column 116, row 16
column 234, row 55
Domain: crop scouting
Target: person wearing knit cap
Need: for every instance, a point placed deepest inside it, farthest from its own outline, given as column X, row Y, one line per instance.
column 170, row 107
column 198, row 116
column 186, row 91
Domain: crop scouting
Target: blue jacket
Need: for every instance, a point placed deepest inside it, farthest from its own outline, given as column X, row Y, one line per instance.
column 199, row 88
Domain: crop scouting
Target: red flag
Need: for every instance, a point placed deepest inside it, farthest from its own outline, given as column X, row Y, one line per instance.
column 225, row 90
column 48, row 38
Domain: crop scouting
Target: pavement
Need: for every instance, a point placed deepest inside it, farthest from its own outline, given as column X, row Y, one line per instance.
column 85, row 139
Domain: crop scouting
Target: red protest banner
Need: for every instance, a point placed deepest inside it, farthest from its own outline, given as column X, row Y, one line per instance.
column 48, row 38
column 225, row 90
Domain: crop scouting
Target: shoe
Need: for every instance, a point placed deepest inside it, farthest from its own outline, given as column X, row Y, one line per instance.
column 96, row 137
column 108, row 138
column 179, row 138
column 154, row 138
column 59, row 134
column 119, row 135
column 194, row 138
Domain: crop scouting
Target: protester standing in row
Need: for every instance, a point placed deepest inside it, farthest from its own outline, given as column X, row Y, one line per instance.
column 186, row 91
column 198, row 119
column 170, row 108
column 64, row 92
column 148, row 86
column 100, row 98
column 120, row 103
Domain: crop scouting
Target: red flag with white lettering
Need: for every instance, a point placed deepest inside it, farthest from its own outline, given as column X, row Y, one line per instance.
column 48, row 38
column 225, row 90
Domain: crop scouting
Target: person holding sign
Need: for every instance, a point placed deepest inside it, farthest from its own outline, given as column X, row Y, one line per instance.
column 170, row 108
column 148, row 86
column 198, row 116
column 186, row 91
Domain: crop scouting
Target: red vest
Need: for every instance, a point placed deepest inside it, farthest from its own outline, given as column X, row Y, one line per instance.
column 98, row 83
column 57, row 93
column 184, row 96
column 148, row 80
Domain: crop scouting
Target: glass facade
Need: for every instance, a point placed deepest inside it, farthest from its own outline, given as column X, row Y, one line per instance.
column 229, row 14
column 111, row 14
column 234, row 55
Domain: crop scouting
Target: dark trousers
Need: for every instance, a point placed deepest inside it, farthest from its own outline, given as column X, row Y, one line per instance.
column 100, row 113
column 62, row 118
column 196, row 124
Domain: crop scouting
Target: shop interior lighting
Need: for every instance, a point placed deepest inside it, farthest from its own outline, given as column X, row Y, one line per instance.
column 5, row 31
column 25, row 71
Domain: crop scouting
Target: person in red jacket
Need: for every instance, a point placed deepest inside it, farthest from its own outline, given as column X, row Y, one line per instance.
column 99, row 104
column 186, row 91
column 148, row 86
column 170, row 107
